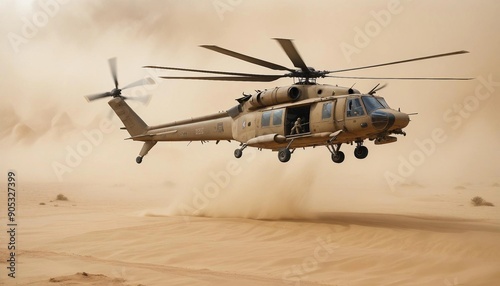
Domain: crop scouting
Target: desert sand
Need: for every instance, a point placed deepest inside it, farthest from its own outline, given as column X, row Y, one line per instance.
column 92, row 239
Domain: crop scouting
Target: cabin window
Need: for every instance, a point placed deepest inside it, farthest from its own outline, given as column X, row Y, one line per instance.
column 266, row 118
column 354, row 108
column 327, row 110
column 277, row 117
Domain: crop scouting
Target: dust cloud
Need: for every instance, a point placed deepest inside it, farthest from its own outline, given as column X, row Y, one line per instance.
column 45, row 118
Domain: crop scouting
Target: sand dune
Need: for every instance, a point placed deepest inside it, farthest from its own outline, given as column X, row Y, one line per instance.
column 125, row 244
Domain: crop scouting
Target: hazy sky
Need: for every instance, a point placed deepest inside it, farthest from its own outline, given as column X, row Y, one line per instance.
column 55, row 52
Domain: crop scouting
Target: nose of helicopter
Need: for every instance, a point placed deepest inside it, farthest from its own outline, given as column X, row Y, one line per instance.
column 402, row 120
column 385, row 119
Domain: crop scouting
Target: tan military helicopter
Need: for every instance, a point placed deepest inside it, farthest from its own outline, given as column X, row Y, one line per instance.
column 304, row 114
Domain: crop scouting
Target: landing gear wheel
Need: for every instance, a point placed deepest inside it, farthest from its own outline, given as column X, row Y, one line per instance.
column 238, row 153
column 339, row 157
column 138, row 160
column 361, row 152
column 284, row 155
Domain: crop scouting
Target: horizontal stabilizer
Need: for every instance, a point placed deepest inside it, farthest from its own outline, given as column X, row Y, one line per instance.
column 147, row 137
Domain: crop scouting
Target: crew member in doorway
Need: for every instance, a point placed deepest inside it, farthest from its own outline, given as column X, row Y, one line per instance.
column 297, row 127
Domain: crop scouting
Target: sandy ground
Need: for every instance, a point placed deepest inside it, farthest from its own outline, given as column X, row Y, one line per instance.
column 112, row 237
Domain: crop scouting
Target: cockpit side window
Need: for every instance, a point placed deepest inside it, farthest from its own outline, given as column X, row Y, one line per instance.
column 354, row 108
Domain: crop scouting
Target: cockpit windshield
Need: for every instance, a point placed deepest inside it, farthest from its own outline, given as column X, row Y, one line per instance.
column 372, row 103
column 382, row 100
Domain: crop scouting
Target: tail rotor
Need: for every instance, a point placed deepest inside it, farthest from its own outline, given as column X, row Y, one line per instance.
column 117, row 92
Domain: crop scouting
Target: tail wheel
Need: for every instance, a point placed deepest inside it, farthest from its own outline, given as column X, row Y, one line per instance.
column 338, row 157
column 238, row 153
column 284, row 155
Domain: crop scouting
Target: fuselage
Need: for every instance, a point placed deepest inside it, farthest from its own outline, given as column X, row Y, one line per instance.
column 266, row 119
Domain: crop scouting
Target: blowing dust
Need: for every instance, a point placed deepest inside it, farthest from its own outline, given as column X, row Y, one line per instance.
column 245, row 193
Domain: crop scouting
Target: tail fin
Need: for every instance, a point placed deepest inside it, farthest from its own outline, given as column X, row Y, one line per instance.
column 134, row 124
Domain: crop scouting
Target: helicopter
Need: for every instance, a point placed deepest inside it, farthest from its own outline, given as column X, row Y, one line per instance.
column 282, row 119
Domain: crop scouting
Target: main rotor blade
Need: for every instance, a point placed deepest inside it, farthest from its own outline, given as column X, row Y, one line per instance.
column 403, row 78
column 292, row 53
column 403, row 61
column 261, row 78
column 246, row 58
column 97, row 96
column 112, row 66
column 205, row 71
column 140, row 82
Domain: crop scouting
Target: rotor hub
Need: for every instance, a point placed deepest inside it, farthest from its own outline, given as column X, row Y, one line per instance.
column 116, row 92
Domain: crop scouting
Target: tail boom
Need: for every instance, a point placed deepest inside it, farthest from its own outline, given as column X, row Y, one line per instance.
column 216, row 126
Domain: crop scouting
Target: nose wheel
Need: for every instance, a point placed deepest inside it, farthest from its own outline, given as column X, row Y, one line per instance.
column 361, row 152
